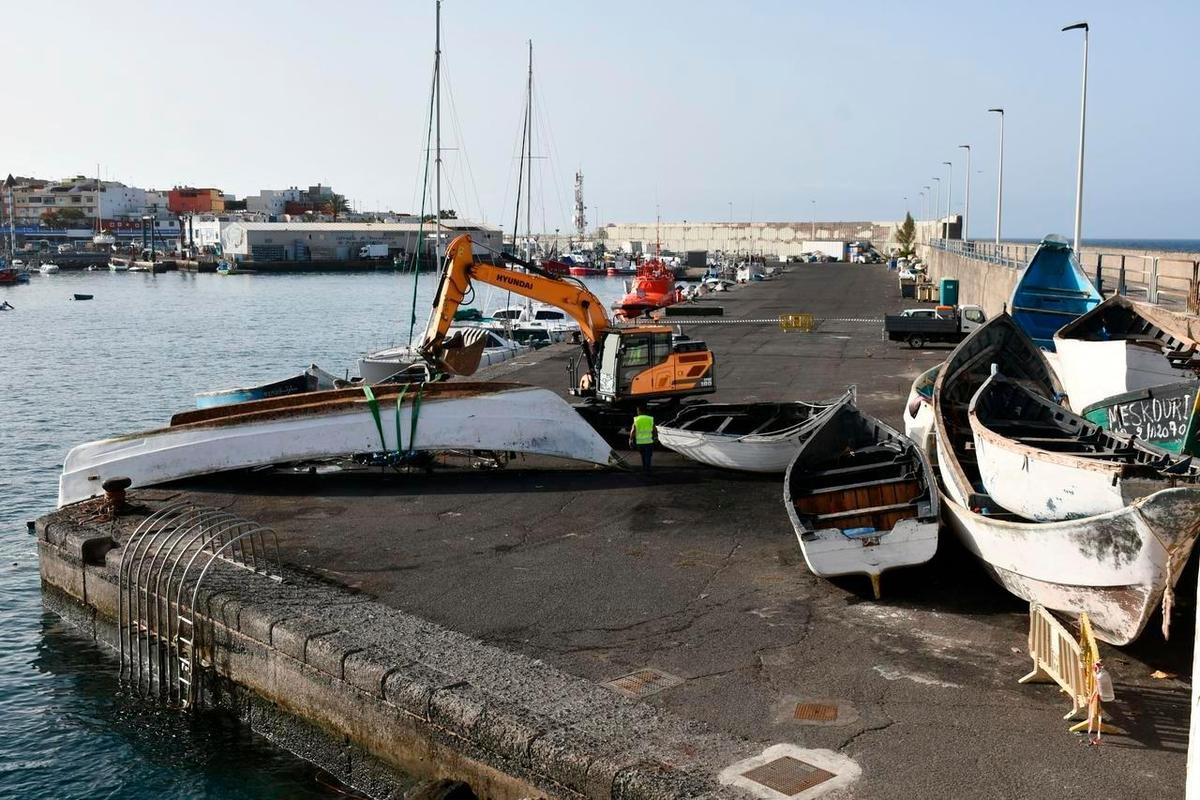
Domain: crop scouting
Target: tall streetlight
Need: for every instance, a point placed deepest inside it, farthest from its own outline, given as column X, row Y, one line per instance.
column 730, row 212
column 967, row 192
column 1082, row 124
column 922, row 205
column 814, row 220
column 999, row 172
column 937, row 201
column 949, row 194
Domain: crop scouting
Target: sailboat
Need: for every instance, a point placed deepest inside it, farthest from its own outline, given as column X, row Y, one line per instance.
column 101, row 237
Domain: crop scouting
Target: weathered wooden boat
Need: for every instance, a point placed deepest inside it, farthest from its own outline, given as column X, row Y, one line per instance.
column 1051, row 292
column 311, row 379
column 1122, row 346
column 862, row 498
column 1115, row 566
column 752, row 437
column 918, row 411
column 1040, row 461
column 396, row 419
column 1164, row 416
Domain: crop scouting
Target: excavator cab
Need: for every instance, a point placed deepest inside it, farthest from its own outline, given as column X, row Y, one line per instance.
column 649, row 362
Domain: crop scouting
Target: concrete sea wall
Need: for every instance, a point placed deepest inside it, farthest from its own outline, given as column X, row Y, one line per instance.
column 378, row 697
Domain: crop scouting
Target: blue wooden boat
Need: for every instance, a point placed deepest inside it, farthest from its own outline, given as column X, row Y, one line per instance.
column 311, row 380
column 1052, row 291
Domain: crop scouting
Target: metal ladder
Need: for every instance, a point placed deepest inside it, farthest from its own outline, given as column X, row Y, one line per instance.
column 163, row 566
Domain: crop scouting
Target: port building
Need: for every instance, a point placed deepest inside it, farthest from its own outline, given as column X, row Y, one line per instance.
column 342, row 241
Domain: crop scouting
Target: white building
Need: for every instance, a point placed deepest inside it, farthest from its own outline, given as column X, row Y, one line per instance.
column 32, row 199
column 273, row 202
column 340, row 241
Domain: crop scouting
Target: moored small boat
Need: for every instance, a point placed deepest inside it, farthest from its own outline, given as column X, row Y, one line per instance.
column 483, row 346
column 49, row 269
column 652, row 287
column 1114, row 566
column 78, row 296
column 460, row 416
column 861, row 497
column 1051, row 291
column 311, row 379
column 751, row 437
column 1040, row 461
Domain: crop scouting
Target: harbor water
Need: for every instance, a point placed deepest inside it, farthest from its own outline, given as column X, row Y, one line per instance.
column 72, row 372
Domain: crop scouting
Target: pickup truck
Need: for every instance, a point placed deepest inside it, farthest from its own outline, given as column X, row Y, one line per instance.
column 919, row 326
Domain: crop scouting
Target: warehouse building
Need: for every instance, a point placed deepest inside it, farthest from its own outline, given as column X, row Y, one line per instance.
column 342, row 241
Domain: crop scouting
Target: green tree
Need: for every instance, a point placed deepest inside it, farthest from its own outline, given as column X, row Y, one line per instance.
column 447, row 213
column 906, row 236
column 60, row 218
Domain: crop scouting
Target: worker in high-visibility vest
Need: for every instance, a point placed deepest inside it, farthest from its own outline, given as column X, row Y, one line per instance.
column 641, row 434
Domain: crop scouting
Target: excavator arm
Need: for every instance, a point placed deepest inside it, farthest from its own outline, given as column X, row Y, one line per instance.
column 461, row 271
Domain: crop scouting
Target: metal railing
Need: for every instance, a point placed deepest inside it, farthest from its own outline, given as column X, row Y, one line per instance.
column 1163, row 280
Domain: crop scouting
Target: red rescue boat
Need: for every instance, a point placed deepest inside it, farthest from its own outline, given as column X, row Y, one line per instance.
column 653, row 287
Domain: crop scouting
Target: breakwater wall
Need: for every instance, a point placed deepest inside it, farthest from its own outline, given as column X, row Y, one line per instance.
column 988, row 273
column 778, row 239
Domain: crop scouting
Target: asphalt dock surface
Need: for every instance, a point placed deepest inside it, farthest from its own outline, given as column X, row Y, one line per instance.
column 697, row 572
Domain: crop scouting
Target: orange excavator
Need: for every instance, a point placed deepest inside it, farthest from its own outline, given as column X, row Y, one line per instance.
column 621, row 366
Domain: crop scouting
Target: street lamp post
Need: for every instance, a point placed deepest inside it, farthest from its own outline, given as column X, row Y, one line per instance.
column 813, row 235
column 937, row 201
column 730, row 212
column 999, row 172
column 949, row 194
column 967, row 192
column 1082, row 125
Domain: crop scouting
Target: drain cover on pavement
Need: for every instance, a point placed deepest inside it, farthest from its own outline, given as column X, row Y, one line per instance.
column 816, row 712
column 643, row 683
column 788, row 776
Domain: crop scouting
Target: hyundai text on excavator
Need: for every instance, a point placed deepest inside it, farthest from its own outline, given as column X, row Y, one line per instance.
column 625, row 366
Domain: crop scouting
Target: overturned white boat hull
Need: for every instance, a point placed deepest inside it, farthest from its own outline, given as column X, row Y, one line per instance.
column 451, row 416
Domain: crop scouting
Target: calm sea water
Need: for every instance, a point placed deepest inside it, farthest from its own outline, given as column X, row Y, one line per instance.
column 71, row 372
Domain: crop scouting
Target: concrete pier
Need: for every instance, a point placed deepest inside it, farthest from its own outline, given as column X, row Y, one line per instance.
column 469, row 623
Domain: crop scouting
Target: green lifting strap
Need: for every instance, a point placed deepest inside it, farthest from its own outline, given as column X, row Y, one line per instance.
column 373, row 404
column 399, row 403
column 416, row 411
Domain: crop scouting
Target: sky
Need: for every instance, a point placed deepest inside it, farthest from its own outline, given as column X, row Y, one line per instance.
column 769, row 111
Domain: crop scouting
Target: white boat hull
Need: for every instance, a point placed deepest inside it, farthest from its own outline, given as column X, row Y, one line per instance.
column 383, row 364
column 1113, row 566
column 1093, row 371
column 498, row 417
column 745, row 453
column 1032, row 485
column 830, row 553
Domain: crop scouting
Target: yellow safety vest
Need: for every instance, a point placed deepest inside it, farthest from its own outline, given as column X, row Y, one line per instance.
column 643, row 426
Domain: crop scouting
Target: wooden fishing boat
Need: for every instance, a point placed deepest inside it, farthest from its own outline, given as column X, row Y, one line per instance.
column 395, row 419
column 1122, row 346
column 752, row 437
column 1115, row 566
column 1164, row 416
column 861, row 497
column 1051, row 292
column 311, row 379
column 1042, row 462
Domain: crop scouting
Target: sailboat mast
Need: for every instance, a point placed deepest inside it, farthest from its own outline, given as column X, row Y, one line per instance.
column 529, row 158
column 437, row 94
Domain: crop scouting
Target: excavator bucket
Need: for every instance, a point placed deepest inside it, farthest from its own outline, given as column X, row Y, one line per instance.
column 462, row 351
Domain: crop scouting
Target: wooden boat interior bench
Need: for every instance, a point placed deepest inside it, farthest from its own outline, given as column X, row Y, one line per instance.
column 874, row 487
